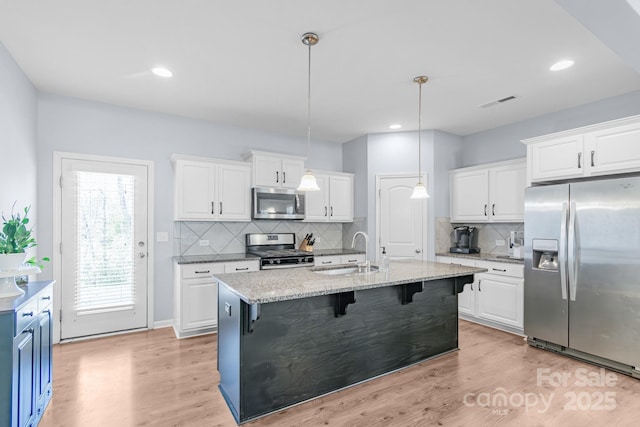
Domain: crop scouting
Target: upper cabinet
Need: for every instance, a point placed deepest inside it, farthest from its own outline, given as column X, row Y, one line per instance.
column 334, row 201
column 603, row 149
column 488, row 193
column 211, row 189
column 275, row 170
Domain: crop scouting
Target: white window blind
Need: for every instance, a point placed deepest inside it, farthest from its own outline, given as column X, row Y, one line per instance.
column 105, row 267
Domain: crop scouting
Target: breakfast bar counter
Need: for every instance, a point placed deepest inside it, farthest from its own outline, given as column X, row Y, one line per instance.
column 287, row 336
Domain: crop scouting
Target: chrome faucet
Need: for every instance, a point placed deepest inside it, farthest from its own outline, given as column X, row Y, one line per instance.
column 366, row 263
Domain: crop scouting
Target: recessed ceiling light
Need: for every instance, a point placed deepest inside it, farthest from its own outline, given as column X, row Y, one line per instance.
column 562, row 65
column 162, row 72
column 395, row 126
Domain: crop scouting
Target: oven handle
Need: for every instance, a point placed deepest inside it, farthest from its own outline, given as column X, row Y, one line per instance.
column 273, row 267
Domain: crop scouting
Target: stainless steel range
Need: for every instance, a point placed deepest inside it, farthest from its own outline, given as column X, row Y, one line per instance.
column 277, row 250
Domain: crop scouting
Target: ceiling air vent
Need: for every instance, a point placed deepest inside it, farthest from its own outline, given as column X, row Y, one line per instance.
column 499, row 101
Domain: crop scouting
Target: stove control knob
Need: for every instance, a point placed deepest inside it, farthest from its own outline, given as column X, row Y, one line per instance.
column 300, row 259
column 270, row 261
column 277, row 261
column 309, row 259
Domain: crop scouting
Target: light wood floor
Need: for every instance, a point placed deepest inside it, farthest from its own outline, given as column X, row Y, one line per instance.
column 153, row 379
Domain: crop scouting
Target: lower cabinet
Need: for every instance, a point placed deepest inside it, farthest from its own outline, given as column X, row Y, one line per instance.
column 196, row 295
column 494, row 298
column 324, row 260
column 25, row 372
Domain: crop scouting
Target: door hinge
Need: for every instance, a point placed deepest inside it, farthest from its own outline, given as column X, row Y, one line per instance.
column 380, row 192
column 60, row 314
column 60, row 181
column 60, row 248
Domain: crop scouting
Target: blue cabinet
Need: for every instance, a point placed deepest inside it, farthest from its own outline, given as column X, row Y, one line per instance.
column 25, row 355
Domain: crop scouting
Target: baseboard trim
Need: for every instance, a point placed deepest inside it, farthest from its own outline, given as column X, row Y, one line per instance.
column 163, row 324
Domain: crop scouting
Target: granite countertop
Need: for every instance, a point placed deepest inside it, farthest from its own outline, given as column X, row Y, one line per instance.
column 485, row 257
column 31, row 289
column 266, row 286
column 196, row 259
column 327, row 252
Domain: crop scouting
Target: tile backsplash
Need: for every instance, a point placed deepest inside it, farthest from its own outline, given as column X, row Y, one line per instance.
column 487, row 235
column 212, row 238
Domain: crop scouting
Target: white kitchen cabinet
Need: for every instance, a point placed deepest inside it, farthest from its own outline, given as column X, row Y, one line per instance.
column 325, row 260
column 602, row 149
column 275, row 170
column 494, row 298
column 334, row 201
column 211, row 190
column 196, row 295
column 488, row 193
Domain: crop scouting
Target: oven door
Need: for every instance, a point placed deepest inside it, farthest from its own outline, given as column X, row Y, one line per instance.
column 276, row 203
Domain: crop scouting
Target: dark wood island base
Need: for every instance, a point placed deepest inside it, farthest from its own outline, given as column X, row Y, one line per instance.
column 277, row 354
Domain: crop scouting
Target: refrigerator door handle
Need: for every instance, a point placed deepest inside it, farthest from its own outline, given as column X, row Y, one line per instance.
column 562, row 254
column 571, row 243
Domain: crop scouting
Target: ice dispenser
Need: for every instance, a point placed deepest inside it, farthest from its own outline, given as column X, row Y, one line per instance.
column 545, row 254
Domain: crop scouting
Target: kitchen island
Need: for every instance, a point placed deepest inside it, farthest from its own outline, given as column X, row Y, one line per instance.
column 287, row 336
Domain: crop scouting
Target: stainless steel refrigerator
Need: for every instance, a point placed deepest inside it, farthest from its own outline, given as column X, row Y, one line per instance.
column 582, row 270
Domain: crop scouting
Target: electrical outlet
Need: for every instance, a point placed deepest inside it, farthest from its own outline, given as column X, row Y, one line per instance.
column 500, row 243
column 203, row 243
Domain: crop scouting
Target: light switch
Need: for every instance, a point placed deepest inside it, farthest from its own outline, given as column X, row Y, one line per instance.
column 162, row 236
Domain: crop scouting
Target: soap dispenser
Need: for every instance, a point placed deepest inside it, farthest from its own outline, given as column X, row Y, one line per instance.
column 384, row 262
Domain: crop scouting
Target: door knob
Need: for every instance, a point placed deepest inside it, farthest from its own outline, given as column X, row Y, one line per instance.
column 142, row 255
column 141, row 243
column 418, row 251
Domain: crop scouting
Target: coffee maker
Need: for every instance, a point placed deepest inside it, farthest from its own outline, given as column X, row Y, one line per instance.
column 465, row 240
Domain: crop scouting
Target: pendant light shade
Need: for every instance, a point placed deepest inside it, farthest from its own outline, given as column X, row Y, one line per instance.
column 420, row 191
column 308, row 181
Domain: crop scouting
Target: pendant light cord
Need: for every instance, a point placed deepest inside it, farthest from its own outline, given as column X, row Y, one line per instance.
column 419, row 133
column 309, row 106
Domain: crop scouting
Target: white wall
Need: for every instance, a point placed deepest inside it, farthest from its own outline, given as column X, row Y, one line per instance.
column 73, row 125
column 503, row 143
column 18, row 123
column 447, row 155
column 354, row 160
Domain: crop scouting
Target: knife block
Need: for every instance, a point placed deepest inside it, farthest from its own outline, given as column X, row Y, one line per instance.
column 305, row 246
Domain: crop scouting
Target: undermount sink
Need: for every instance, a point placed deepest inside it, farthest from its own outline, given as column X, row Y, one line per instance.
column 342, row 271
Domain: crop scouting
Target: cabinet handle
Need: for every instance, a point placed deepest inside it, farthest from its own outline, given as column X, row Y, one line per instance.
column 327, row 262
column 352, row 260
column 479, row 286
column 493, row 209
column 472, row 286
column 579, row 159
column 592, row 154
column 202, row 272
column 284, row 177
column 46, row 298
column 485, row 210
column 28, row 314
column 331, row 210
column 242, row 269
column 277, row 176
column 325, row 211
column 500, row 269
column 220, row 208
column 212, row 209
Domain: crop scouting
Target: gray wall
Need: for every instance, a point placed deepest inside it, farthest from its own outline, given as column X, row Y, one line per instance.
column 503, row 143
column 354, row 160
column 18, row 122
column 73, row 125
column 447, row 155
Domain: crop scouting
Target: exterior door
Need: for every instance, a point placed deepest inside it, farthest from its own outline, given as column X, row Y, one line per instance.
column 402, row 222
column 104, row 247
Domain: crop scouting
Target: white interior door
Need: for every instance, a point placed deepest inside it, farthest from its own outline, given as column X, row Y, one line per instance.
column 402, row 221
column 104, row 250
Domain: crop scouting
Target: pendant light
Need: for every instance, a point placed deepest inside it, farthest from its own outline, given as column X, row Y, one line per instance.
column 308, row 181
column 420, row 191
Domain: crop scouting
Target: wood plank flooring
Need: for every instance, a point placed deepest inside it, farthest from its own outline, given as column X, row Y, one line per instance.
column 496, row 379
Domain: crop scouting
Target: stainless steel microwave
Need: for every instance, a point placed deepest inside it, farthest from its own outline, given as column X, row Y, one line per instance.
column 277, row 203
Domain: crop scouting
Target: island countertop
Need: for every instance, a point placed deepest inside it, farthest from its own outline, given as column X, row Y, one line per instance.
column 266, row 286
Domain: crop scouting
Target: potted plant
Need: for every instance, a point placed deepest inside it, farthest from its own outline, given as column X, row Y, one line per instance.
column 15, row 238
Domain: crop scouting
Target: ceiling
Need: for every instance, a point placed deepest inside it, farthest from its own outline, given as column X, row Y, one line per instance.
column 242, row 62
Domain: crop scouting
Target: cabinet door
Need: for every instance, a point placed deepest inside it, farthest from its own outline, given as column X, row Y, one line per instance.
column 292, row 171
column 470, row 196
column 614, row 150
column 241, row 266
column 234, row 193
column 499, row 299
column 266, row 171
column 320, row 261
column 43, row 347
column 506, row 192
column 195, row 190
column 352, row 259
column 317, row 202
column 199, row 303
column 341, row 198
column 560, row 158
column 24, row 376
